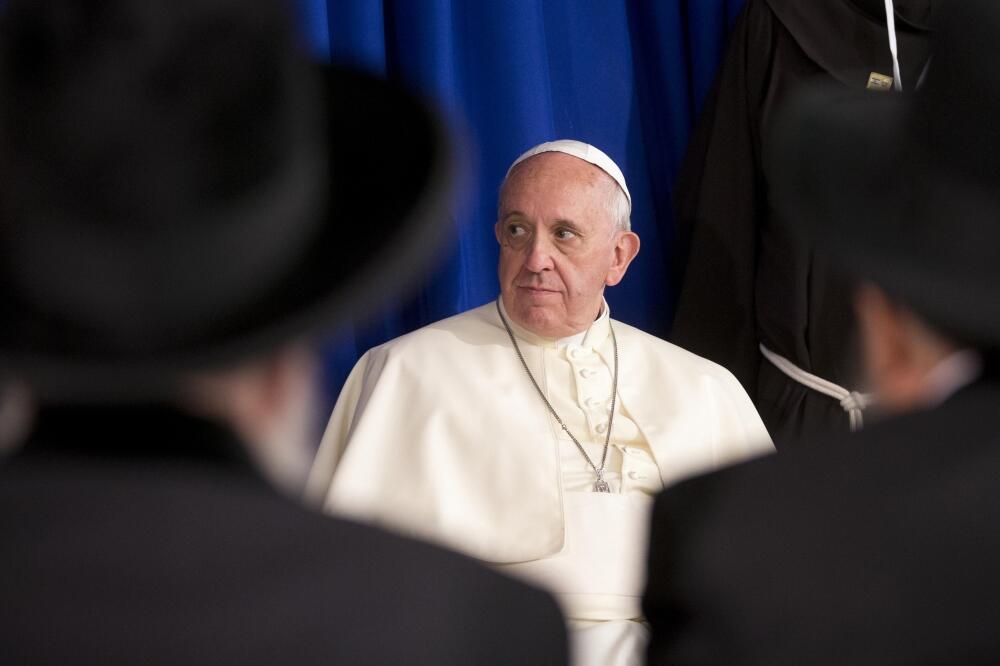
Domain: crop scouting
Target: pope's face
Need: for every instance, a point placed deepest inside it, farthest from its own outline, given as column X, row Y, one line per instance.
column 559, row 246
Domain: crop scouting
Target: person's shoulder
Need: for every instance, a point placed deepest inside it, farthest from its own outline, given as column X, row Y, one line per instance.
column 452, row 330
column 433, row 348
column 677, row 356
column 828, row 468
column 419, row 591
column 714, row 489
column 319, row 588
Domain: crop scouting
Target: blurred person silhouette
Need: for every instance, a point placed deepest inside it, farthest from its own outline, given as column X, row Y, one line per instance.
column 879, row 547
column 180, row 211
column 532, row 432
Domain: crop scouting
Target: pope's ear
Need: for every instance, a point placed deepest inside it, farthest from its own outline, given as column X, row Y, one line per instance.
column 626, row 247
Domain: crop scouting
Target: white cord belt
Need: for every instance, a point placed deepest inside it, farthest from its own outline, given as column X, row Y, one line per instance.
column 853, row 402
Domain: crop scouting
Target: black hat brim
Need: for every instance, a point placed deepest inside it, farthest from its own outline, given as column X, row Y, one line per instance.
column 390, row 171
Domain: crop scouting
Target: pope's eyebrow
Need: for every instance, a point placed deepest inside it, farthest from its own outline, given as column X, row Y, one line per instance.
column 561, row 223
column 513, row 213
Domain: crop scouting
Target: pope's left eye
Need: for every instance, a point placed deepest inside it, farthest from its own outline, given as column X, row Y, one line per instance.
column 564, row 234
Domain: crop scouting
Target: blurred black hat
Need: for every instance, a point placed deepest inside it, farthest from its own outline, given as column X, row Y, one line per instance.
column 180, row 188
column 904, row 190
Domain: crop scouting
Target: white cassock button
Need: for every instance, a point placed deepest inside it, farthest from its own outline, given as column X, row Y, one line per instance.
column 576, row 351
column 635, row 476
column 601, row 427
column 592, row 402
column 587, row 373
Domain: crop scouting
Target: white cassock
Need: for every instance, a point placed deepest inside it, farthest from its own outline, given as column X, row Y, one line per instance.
column 439, row 434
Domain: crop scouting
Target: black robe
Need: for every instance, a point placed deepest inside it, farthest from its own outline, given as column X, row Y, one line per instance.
column 143, row 536
column 747, row 279
column 876, row 548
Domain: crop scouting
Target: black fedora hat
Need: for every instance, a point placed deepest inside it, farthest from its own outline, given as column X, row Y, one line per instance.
column 904, row 190
column 180, row 188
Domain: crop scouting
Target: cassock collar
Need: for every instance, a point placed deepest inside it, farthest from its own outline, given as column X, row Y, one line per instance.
column 819, row 28
column 593, row 337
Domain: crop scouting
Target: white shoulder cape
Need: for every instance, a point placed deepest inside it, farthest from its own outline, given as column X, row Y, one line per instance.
column 438, row 434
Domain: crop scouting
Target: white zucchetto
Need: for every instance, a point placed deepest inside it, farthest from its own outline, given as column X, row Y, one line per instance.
column 583, row 151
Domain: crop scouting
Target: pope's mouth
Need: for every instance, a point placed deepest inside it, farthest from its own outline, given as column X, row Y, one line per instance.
column 536, row 291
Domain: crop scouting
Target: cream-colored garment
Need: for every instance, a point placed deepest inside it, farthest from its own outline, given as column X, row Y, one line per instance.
column 597, row 577
column 438, row 433
column 597, row 574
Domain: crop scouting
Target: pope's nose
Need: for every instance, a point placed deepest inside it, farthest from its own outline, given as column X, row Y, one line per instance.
column 539, row 254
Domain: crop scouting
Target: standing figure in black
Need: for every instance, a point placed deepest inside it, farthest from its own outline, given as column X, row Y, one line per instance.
column 754, row 297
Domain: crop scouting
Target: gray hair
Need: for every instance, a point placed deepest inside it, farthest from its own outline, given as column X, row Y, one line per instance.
column 620, row 209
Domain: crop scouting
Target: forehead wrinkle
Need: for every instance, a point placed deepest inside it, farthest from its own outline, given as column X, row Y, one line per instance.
column 567, row 170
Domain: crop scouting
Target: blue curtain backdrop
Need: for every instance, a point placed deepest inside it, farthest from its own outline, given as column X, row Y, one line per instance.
column 626, row 76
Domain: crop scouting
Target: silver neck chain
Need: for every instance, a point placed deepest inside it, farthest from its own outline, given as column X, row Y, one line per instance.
column 600, row 486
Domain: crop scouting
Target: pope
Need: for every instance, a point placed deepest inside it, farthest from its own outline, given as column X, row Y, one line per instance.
column 532, row 432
